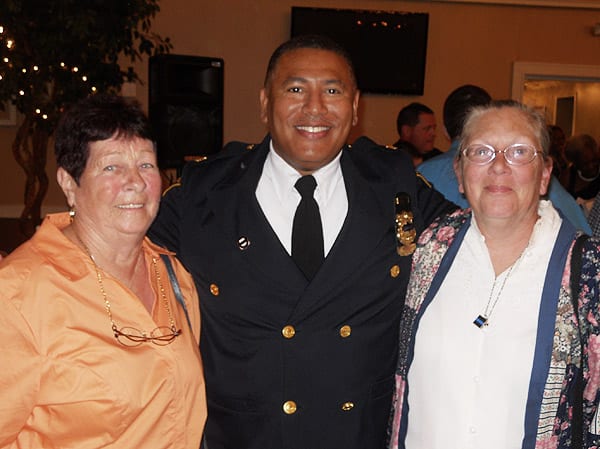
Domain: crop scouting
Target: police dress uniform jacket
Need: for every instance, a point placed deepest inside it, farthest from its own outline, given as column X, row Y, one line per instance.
column 561, row 349
column 291, row 363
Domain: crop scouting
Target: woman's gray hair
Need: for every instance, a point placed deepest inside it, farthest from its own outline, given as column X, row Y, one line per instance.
column 534, row 118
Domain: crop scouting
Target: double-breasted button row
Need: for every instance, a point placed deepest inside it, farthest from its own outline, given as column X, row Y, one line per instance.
column 290, row 407
column 289, row 331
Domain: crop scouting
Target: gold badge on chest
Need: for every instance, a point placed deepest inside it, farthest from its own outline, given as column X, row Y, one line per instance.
column 405, row 230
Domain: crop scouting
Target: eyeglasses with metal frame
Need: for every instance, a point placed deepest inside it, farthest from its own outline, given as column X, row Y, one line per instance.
column 161, row 336
column 515, row 154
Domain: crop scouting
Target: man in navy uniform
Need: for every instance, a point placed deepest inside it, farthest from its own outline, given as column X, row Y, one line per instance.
column 295, row 357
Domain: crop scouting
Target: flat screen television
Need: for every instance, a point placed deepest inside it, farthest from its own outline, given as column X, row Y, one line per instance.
column 388, row 48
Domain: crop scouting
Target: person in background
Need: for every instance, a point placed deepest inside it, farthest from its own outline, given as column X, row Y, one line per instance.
column 298, row 354
column 594, row 216
column 97, row 351
column 560, row 163
column 493, row 348
column 416, row 127
column 583, row 181
column 440, row 169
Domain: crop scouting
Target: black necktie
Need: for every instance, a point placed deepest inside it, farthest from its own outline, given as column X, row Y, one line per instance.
column 307, row 232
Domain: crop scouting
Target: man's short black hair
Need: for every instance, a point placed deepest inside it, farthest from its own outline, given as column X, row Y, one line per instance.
column 457, row 105
column 409, row 115
column 314, row 41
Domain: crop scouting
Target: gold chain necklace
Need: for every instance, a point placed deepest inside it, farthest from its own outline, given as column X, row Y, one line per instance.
column 130, row 336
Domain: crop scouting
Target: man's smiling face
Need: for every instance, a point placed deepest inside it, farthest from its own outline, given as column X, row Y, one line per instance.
column 310, row 104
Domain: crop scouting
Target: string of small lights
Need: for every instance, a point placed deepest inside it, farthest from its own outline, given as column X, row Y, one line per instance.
column 24, row 84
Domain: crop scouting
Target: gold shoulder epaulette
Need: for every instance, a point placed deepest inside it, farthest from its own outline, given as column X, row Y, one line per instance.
column 195, row 158
column 175, row 184
column 424, row 179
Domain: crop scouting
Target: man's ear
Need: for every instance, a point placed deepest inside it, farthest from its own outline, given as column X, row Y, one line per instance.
column 264, row 104
column 67, row 184
column 355, row 102
column 405, row 132
column 447, row 134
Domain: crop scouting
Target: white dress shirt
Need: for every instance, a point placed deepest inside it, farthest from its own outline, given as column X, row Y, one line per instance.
column 278, row 198
column 468, row 386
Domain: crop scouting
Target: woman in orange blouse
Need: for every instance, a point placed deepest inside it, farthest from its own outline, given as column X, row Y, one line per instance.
column 97, row 349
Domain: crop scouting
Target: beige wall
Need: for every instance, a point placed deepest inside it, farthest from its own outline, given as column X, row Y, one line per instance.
column 468, row 43
column 587, row 112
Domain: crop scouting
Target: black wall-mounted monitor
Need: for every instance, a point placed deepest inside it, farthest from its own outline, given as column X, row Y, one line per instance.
column 388, row 48
column 185, row 106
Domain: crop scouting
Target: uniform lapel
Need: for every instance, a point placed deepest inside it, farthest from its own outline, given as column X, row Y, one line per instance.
column 246, row 227
column 370, row 219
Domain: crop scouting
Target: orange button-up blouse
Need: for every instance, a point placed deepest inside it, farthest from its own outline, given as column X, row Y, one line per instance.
column 65, row 381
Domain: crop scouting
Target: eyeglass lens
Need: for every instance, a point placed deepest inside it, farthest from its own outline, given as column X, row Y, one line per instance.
column 517, row 154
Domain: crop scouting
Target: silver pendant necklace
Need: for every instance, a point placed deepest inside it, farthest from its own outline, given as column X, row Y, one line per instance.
column 585, row 178
column 483, row 319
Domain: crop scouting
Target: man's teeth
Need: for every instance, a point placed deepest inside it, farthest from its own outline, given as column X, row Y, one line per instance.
column 313, row 129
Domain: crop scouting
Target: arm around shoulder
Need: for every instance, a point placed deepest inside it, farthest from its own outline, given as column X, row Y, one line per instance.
column 431, row 203
column 164, row 231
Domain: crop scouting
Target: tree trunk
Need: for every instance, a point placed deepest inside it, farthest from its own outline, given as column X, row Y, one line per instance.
column 30, row 149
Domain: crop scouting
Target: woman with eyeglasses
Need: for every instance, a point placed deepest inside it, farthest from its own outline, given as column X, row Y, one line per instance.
column 495, row 351
column 97, row 348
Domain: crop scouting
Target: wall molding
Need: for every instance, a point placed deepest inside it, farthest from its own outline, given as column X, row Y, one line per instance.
column 542, row 70
column 586, row 4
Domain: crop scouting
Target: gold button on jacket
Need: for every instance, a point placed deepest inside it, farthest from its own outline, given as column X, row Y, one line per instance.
column 288, row 331
column 289, row 407
column 347, row 406
column 345, row 331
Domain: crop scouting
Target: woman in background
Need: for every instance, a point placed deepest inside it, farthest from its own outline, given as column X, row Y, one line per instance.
column 97, row 351
column 583, row 180
column 560, row 163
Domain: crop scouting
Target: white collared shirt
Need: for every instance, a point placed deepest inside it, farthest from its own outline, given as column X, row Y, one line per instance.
column 279, row 199
column 468, row 386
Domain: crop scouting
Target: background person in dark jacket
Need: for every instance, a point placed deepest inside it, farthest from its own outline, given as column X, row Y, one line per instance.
column 416, row 127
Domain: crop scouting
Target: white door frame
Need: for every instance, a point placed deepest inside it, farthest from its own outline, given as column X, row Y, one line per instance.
column 541, row 70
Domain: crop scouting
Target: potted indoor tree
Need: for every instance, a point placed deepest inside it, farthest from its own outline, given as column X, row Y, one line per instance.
column 55, row 52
